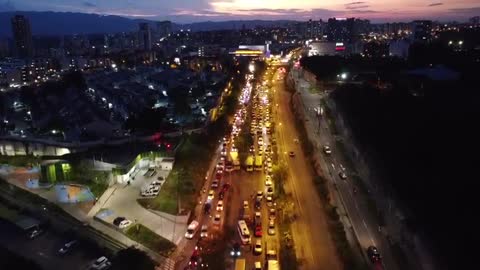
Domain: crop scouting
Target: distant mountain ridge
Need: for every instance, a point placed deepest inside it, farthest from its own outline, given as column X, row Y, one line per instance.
column 69, row 23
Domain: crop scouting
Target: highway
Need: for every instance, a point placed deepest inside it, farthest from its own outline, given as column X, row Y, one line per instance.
column 363, row 221
column 314, row 246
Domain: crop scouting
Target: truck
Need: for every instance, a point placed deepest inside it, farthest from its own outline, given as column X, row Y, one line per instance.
column 258, row 163
column 249, row 164
column 235, row 161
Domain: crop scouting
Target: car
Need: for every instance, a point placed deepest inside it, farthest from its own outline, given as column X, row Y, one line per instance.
column 269, row 191
column 207, row 208
column 291, row 154
column 259, row 195
column 258, row 247
column 67, row 247
column 258, row 230
column 269, row 201
column 245, row 204
column 342, row 175
column 258, row 205
column 220, row 165
column 215, row 183
column 156, row 183
column 153, row 189
column 220, row 205
column 271, row 227
column 118, row 220
column 211, row 194
column 235, row 252
column 191, row 229
column 124, row 224
column 204, row 231
column 258, row 217
column 36, row 232
column 373, row 254
column 268, row 181
column 272, row 213
column 258, row 266
column 221, row 195
column 225, row 187
column 101, row 263
column 217, row 219
column 327, row 150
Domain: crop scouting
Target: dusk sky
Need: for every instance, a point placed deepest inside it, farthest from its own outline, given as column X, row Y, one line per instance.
column 218, row 10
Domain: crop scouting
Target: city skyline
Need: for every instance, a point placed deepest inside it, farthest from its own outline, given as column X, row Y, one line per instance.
column 185, row 11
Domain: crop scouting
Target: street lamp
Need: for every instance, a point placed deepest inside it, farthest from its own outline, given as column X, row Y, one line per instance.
column 251, row 68
column 343, row 76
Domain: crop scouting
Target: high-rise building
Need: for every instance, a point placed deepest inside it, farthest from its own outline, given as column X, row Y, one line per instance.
column 22, row 36
column 422, row 30
column 164, row 29
column 145, row 37
column 340, row 30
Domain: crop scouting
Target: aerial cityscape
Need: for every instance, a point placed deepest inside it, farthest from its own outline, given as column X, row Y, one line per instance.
column 208, row 134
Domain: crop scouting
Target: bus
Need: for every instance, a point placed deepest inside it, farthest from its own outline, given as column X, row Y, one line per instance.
column 240, row 264
column 243, row 232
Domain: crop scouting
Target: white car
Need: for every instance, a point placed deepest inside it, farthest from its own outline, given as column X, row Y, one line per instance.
column 258, row 247
column 269, row 200
column 124, row 224
column 271, row 227
column 217, row 219
column 67, row 247
column 245, row 204
column 268, row 181
column 101, row 263
column 220, row 205
column 327, row 150
column 204, row 231
column 191, row 229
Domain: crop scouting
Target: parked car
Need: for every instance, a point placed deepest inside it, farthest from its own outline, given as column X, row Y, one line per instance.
column 118, row 220
column 33, row 234
column 124, row 224
column 67, row 247
column 101, row 263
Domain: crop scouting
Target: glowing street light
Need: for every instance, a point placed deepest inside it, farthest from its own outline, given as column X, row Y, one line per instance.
column 251, row 68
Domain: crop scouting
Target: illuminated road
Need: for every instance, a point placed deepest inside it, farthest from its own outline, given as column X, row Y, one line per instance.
column 365, row 224
column 314, row 246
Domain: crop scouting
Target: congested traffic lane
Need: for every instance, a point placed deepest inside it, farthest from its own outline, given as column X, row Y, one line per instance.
column 315, row 248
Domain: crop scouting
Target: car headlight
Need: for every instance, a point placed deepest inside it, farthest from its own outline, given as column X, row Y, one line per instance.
column 238, row 253
column 232, row 253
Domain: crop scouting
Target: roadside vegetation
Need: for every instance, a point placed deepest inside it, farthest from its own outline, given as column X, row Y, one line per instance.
column 148, row 238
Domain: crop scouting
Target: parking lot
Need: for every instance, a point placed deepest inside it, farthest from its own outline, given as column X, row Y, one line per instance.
column 122, row 202
column 44, row 248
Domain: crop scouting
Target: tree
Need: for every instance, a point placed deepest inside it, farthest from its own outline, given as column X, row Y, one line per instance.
column 132, row 258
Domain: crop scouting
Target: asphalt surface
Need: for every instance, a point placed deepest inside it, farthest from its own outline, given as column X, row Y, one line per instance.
column 314, row 246
column 44, row 249
column 364, row 223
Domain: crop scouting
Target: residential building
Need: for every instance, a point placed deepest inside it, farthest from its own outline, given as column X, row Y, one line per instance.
column 422, row 30
column 145, row 37
column 22, row 35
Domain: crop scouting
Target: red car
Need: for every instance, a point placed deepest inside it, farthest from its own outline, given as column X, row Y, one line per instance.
column 258, row 231
column 225, row 187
